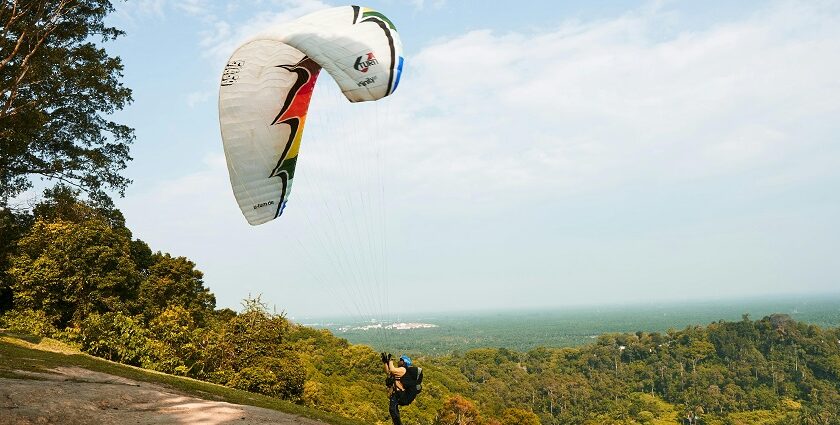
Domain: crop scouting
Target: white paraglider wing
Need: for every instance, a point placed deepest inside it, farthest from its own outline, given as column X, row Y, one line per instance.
column 267, row 85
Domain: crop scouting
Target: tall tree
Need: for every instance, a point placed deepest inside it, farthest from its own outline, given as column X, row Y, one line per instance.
column 457, row 410
column 70, row 270
column 174, row 281
column 57, row 89
column 516, row 416
column 12, row 226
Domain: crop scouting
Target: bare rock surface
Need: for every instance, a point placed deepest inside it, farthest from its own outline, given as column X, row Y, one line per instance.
column 72, row 395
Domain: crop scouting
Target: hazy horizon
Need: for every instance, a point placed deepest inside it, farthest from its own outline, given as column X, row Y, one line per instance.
column 794, row 299
column 522, row 330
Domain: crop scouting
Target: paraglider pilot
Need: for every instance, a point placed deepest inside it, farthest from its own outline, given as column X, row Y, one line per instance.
column 395, row 387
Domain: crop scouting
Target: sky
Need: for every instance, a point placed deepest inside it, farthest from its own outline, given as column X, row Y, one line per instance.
column 536, row 155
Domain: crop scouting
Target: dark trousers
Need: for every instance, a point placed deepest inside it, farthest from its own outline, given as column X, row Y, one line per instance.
column 394, row 409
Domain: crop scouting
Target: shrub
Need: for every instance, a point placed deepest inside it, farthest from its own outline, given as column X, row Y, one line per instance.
column 117, row 337
column 254, row 379
column 291, row 377
column 33, row 322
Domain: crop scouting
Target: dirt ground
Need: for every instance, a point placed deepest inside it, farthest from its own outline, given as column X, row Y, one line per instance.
column 71, row 395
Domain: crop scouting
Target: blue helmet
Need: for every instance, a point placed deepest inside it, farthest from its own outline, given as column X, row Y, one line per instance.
column 406, row 360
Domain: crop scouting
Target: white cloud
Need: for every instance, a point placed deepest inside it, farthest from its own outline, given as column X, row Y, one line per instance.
column 199, row 8
column 595, row 104
column 130, row 11
column 186, row 206
column 199, row 97
column 225, row 36
column 422, row 4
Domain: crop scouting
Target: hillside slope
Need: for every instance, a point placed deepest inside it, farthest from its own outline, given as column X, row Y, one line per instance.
column 43, row 381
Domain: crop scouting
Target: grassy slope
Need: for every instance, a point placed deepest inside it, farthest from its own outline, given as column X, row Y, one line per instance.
column 22, row 352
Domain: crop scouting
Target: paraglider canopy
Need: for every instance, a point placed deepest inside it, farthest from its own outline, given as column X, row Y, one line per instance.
column 267, row 85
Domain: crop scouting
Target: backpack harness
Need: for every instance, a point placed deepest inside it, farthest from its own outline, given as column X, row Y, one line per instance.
column 412, row 383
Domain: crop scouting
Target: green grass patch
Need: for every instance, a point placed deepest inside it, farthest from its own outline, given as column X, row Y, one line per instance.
column 36, row 354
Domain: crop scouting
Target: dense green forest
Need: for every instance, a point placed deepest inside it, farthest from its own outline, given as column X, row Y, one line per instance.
column 72, row 271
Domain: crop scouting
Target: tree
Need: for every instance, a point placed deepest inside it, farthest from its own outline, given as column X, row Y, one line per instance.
column 458, row 410
column 57, row 88
column 699, row 350
column 64, row 202
column 13, row 225
column 70, row 270
column 516, row 416
column 173, row 281
column 174, row 331
column 115, row 336
column 60, row 203
column 247, row 338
